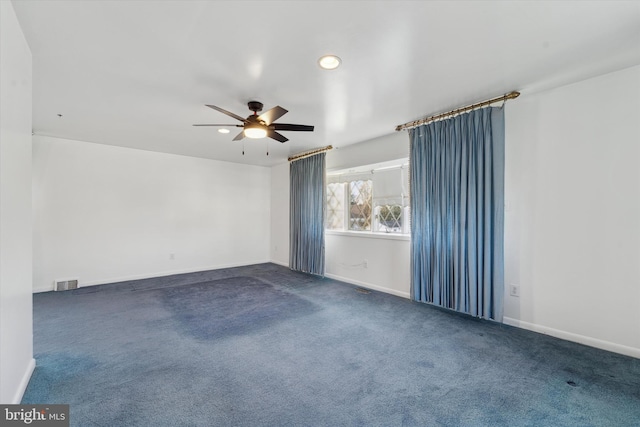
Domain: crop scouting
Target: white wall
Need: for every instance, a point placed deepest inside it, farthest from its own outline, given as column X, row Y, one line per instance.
column 572, row 226
column 16, row 326
column 388, row 261
column 104, row 214
column 280, row 214
column 388, row 147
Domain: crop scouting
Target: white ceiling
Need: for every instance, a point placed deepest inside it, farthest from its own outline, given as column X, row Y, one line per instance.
column 138, row 73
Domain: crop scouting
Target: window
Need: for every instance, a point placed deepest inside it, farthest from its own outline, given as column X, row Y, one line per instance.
column 389, row 218
column 360, row 205
column 371, row 199
column 335, row 206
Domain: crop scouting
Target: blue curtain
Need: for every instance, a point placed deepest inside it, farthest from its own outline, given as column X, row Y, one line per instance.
column 306, row 214
column 457, row 213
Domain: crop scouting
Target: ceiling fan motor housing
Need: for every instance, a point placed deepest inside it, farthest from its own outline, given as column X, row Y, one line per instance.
column 255, row 106
column 254, row 121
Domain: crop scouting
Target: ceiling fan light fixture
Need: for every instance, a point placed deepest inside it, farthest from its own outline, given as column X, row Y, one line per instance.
column 329, row 62
column 255, row 132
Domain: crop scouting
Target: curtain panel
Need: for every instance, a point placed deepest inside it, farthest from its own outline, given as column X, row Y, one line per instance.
column 306, row 214
column 457, row 213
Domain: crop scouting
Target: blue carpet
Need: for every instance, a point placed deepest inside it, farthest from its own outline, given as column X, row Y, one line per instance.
column 263, row 346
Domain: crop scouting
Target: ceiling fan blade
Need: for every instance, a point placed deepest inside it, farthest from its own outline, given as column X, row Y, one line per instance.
column 273, row 114
column 239, row 136
column 228, row 113
column 289, row 126
column 217, row 125
column 275, row 135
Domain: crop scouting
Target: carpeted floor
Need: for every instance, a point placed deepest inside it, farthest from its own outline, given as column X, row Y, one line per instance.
column 263, row 346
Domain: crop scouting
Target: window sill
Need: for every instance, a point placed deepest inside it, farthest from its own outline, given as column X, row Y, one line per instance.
column 369, row 235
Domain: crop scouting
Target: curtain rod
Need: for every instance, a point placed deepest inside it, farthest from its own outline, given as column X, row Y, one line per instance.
column 409, row 125
column 310, row 153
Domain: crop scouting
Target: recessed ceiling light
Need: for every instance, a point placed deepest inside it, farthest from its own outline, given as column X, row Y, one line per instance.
column 329, row 62
column 223, row 130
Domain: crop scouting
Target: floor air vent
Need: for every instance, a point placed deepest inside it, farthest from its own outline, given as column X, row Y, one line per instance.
column 363, row 290
column 66, row 285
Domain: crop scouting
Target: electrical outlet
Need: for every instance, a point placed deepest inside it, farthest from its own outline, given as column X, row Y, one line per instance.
column 514, row 290
column 365, row 263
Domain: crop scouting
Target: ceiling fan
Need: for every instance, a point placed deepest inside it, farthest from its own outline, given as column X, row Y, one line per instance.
column 259, row 126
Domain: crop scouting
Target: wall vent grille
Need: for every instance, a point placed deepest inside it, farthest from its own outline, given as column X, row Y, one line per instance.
column 66, row 285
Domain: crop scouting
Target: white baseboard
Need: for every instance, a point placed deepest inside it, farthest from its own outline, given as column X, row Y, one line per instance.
column 570, row 336
column 24, row 382
column 152, row 275
column 369, row 286
column 284, row 264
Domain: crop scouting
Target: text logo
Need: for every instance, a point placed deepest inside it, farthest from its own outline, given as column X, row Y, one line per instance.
column 34, row 415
